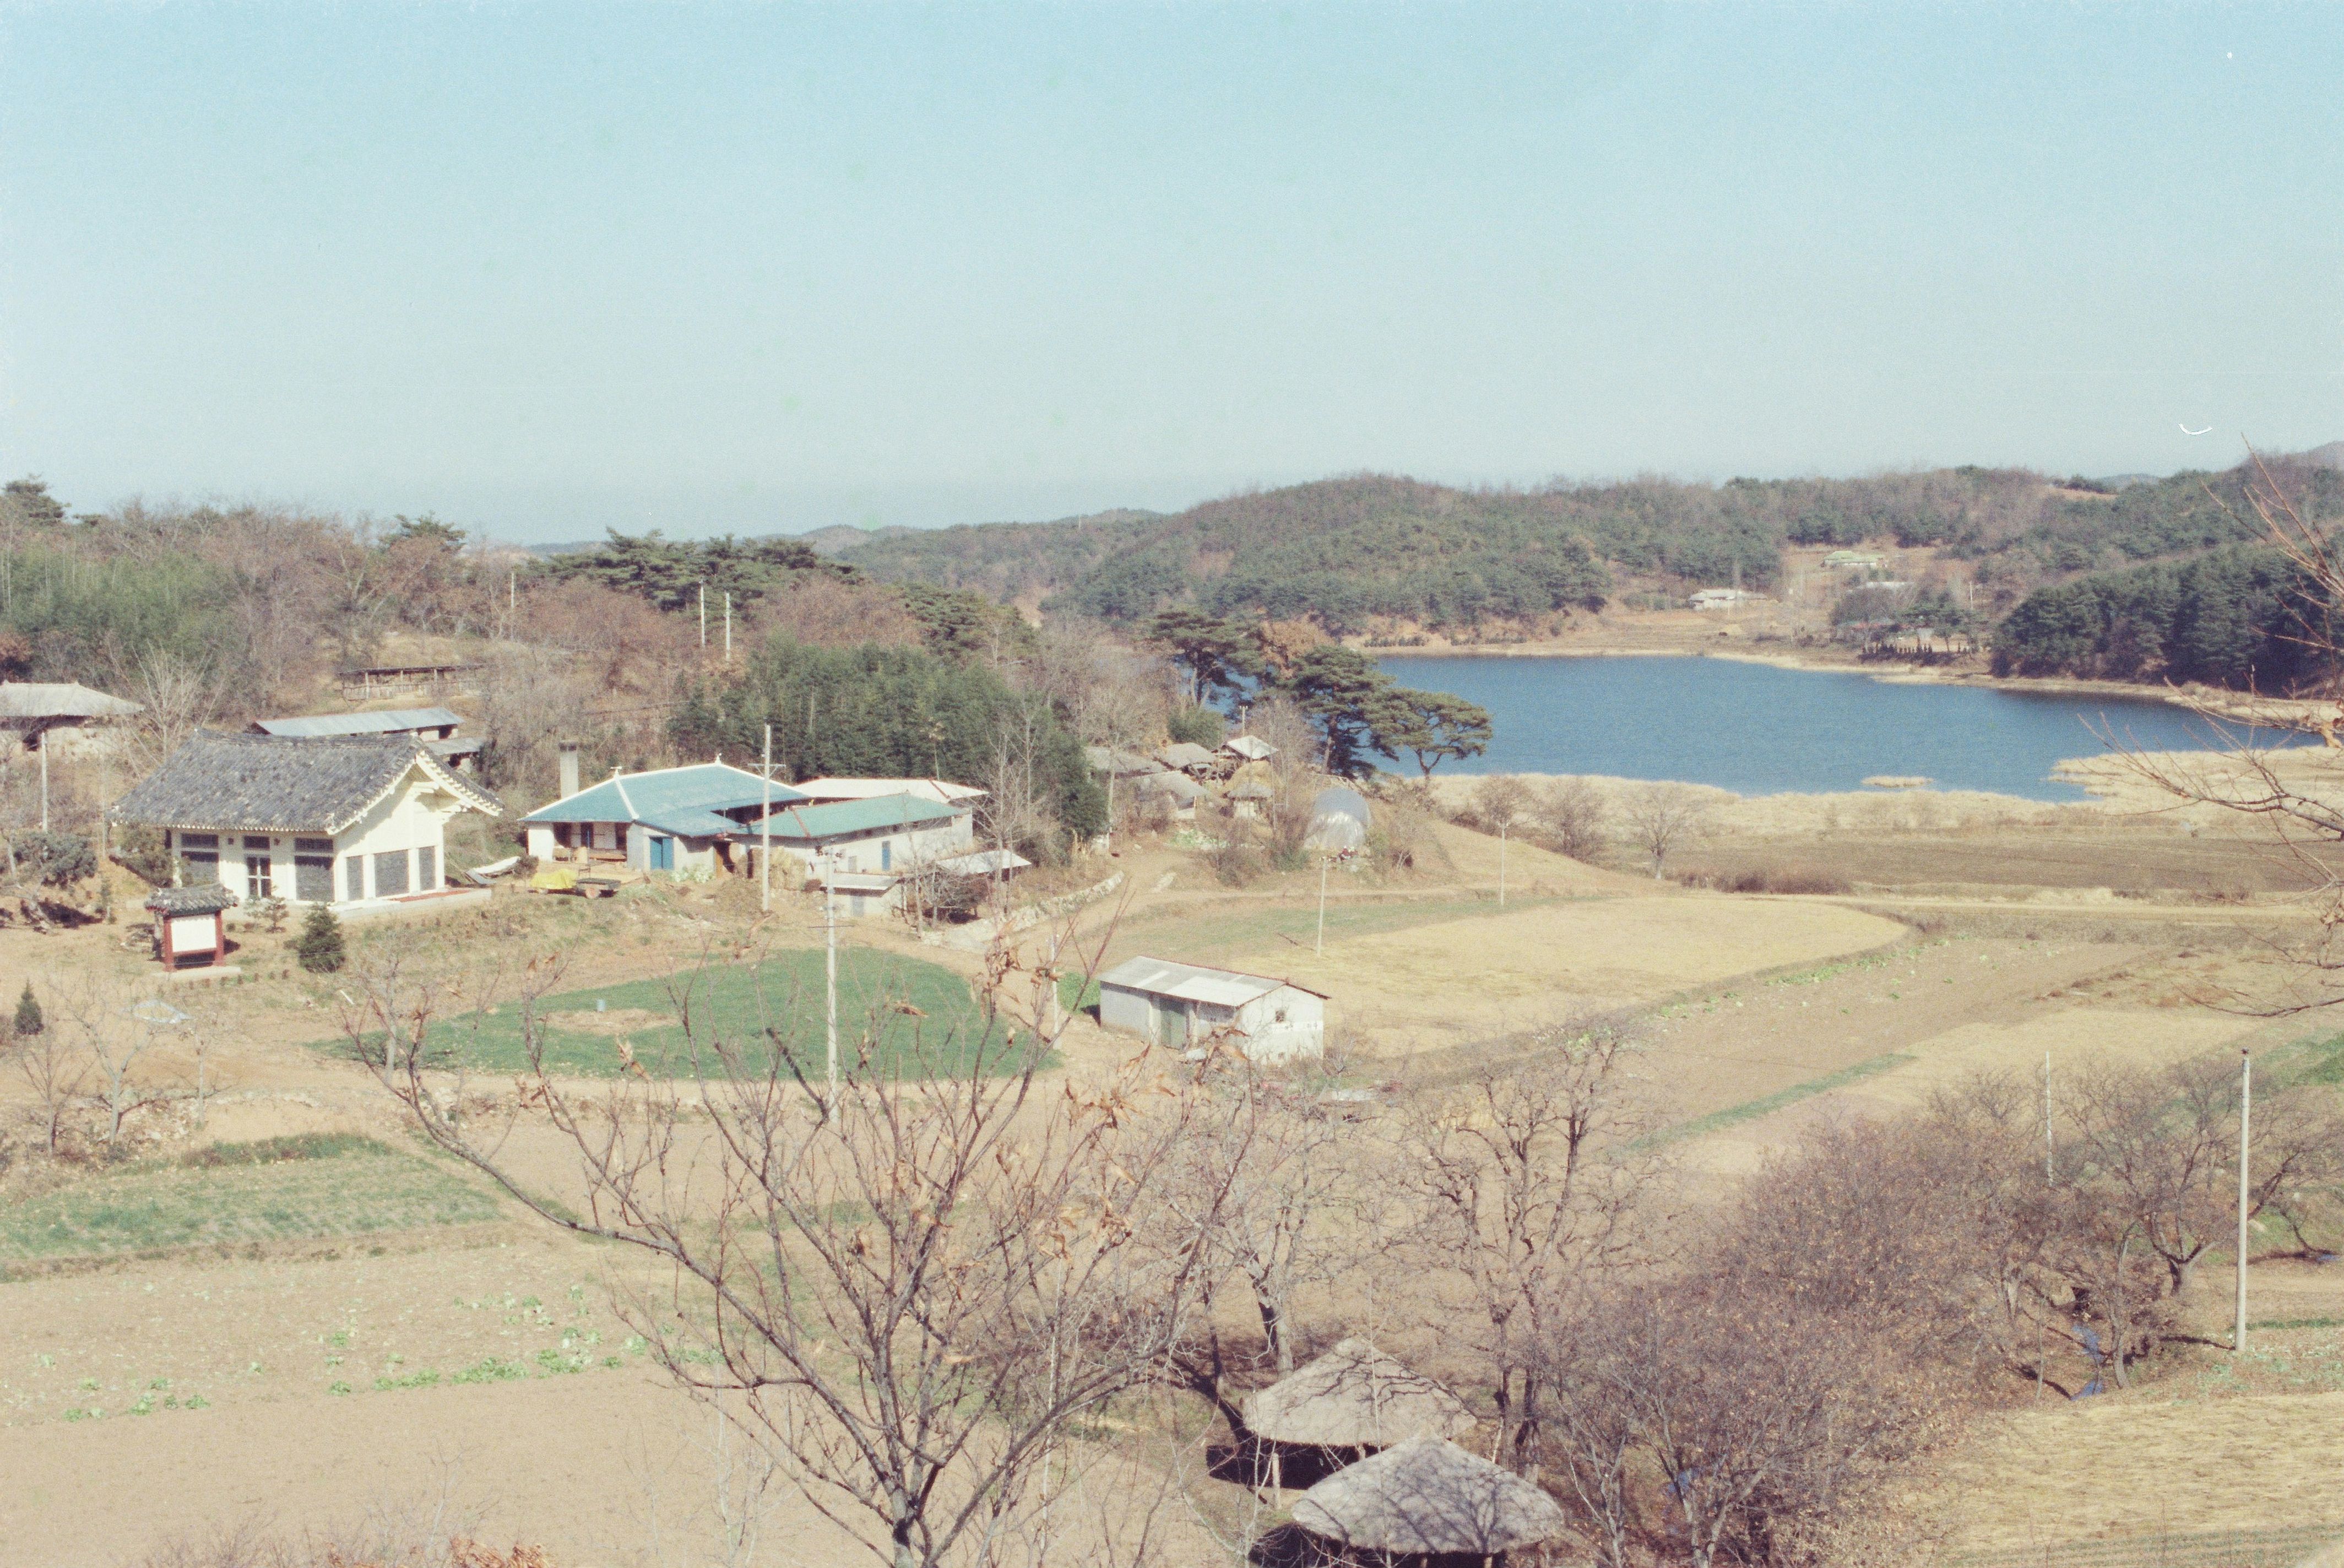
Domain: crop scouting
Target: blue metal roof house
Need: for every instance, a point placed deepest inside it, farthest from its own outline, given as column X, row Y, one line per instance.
column 685, row 820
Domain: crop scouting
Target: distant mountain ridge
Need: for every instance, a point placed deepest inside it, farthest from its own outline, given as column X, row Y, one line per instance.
column 1355, row 551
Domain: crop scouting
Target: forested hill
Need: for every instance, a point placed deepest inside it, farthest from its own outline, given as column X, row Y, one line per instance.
column 1348, row 550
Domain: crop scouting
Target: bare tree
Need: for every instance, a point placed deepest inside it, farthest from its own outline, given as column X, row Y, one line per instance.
column 112, row 1031
column 1016, row 813
column 1659, row 817
column 1572, row 813
column 1523, row 1185
column 178, row 698
column 912, row 1289
column 56, row 1079
column 1500, row 802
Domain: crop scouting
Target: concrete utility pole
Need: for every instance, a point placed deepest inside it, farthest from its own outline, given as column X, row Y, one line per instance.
column 1321, row 946
column 1501, row 865
column 2048, row 1177
column 42, row 736
column 728, row 628
column 766, row 831
column 830, row 963
column 2246, row 1112
column 512, row 591
column 703, row 615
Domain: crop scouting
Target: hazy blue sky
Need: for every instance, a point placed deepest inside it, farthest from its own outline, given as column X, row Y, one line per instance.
column 548, row 267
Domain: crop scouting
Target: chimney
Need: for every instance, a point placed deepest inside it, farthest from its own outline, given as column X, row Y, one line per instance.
column 569, row 769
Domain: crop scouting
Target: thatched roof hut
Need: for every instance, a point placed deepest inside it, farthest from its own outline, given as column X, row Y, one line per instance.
column 1428, row 1498
column 1354, row 1396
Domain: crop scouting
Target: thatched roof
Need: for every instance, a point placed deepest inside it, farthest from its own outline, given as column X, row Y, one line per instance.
column 1354, row 1396
column 37, row 702
column 1428, row 1496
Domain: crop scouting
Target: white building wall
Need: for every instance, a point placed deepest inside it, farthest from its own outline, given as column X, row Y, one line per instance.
column 412, row 817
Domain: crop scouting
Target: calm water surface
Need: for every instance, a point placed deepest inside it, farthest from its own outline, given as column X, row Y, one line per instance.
column 1758, row 730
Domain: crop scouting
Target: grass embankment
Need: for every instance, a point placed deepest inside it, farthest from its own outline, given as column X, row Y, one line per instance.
column 917, row 1018
column 280, row 1189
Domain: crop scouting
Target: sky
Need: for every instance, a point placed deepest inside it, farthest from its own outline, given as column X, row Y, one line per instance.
column 544, row 269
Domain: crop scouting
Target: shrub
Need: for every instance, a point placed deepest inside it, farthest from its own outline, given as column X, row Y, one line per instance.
column 1197, row 727
column 140, row 850
column 319, row 945
column 28, row 1013
column 56, row 858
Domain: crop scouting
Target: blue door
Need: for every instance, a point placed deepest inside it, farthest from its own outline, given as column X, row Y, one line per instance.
column 887, row 854
column 663, row 852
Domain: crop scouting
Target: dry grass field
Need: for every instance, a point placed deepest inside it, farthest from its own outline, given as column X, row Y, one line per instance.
column 185, row 1345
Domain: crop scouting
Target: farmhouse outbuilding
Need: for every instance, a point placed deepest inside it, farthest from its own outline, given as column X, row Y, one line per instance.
column 1349, row 1403
column 1429, row 1500
column 1187, row 757
column 682, row 820
column 1339, row 820
column 34, row 708
column 1183, row 1005
column 434, row 727
column 1249, row 748
column 345, row 820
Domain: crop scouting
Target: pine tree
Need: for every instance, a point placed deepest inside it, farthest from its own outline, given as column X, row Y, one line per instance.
column 28, row 1013
column 319, row 945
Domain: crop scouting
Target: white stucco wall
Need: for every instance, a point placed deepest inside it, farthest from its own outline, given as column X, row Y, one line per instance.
column 412, row 817
column 894, row 850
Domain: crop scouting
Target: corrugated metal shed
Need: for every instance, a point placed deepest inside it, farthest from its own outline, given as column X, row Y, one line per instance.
column 268, row 783
column 1193, row 982
column 390, row 721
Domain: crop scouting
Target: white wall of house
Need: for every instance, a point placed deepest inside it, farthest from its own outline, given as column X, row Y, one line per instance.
column 1279, row 1025
column 400, row 847
column 693, row 858
column 887, row 849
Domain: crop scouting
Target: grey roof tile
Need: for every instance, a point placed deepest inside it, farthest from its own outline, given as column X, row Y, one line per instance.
column 270, row 784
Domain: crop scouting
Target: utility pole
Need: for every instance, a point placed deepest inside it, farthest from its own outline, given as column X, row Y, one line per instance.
column 728, row 627
column 703, row 615
column 42, row 736
column 766, row 831
column 1321, row 946
column 2048, row 1177
column 829, row 964
column 2246, row 1111
column 1501, row 865
column 512, row 591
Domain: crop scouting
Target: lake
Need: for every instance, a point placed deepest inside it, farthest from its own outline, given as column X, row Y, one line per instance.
column 1755, row 729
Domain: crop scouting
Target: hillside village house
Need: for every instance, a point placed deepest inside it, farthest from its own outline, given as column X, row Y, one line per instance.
column 1183, row 1004
column 434, row 727
column 345, row 820
column 685, row 820
column 823, row 790
column 871, row 845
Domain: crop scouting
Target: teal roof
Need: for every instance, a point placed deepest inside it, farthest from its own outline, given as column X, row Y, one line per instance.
column 837, row 818
column 683, row 801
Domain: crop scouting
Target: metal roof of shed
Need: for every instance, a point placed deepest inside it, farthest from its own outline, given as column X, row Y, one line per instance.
column 1194, row 982
column 390, row 721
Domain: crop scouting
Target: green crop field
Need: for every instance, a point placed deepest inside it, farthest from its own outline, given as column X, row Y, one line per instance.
column 284, row 1189
column 904, row 1016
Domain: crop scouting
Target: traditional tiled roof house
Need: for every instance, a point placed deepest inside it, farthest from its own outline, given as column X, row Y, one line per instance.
column 338, row 819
